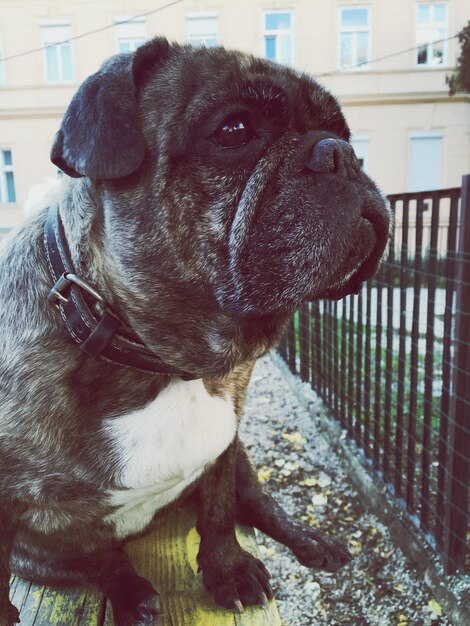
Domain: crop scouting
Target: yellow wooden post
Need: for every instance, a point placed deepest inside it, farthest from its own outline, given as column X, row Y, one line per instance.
column 166, row 557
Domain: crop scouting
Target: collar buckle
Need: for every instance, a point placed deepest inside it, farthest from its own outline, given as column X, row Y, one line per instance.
column 56, row 294
column 62, row 286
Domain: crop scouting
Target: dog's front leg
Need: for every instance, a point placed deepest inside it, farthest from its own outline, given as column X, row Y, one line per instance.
column 257, row 508
column 8, row 613
column 133, row 599
column 233, row 576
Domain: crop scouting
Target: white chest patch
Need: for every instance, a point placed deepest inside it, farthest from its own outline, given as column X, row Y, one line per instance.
column 163, row 448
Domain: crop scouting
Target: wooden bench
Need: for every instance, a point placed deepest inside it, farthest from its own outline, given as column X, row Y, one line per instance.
column 167, row 558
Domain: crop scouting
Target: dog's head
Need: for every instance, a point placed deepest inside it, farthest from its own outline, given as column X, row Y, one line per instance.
column 230, row 174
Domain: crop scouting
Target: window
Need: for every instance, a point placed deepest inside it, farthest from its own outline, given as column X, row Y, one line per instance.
column 361, row 148
column 354, row 37
column 431, row 27
column 203, row 29
column 2, row 70
column 278, row 37
column 7, row 182
column 425, row 162
column 57, row 52
column 130, row 33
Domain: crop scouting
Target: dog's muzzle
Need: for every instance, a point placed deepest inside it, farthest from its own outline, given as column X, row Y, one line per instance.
column 331, row 155
column 310, row 225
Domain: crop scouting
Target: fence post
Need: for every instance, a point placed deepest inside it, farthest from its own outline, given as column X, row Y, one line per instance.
column 291, row 345
column 459, row 439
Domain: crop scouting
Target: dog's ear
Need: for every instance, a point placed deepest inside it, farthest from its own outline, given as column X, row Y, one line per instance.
column 100, row 135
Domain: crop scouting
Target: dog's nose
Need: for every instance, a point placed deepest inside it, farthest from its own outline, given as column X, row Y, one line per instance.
column 335, row 156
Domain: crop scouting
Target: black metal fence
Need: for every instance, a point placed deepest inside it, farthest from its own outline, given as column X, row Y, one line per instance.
column 393, row 365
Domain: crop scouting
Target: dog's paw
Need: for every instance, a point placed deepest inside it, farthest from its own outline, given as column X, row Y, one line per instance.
column 9, row 615
column 235, row 578
column 136, row 604
column 312, row 549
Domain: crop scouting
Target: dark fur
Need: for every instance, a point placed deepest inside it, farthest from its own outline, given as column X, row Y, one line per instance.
column 205, row 252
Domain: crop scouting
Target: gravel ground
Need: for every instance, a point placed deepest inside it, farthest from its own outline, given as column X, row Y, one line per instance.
column 380, row 587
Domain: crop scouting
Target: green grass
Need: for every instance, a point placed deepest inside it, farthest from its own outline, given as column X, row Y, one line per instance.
column 337, row 376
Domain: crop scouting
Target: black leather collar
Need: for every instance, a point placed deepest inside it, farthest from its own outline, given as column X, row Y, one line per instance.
column 88, row 319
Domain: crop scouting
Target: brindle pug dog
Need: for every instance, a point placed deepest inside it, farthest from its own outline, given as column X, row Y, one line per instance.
column 209, row 193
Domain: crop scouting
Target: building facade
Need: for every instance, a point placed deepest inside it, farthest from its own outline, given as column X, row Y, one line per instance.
column 385, row 61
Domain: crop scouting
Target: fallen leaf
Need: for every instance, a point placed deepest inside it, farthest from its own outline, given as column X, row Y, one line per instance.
column 320, row 608
column 355, row 547
column 295, row 438
column 435, row 607
column 264, row 474
column 308, row 482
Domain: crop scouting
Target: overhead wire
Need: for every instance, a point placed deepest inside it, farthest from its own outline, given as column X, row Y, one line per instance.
column 93, row 32
column 383, row 58
column 176, row 2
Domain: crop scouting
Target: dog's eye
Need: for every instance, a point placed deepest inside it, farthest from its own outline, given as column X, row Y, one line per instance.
column 234, row 132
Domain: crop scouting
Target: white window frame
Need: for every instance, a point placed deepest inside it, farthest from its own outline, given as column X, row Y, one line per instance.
column 4, row 169
column 425, row 135
column 202, row 39
column 278, row 34
column 364, row 142
column 354, row 30
column 57, row 41
column 130, row 30
column 430, row 26
column 2, row 69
